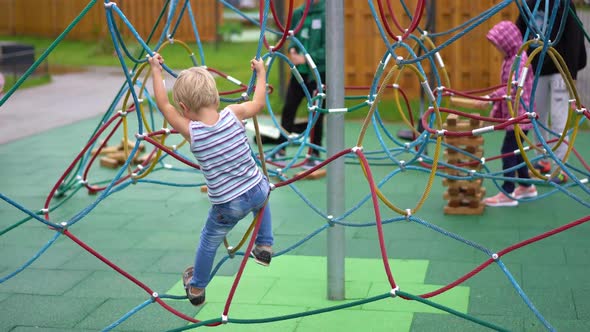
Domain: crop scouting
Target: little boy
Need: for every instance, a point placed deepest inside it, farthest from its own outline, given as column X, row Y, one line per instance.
column 218, row 141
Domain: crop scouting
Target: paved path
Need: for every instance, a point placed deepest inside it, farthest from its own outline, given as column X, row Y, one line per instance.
column 68, row 99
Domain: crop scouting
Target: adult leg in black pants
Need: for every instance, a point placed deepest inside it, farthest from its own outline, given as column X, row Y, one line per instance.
column 295, row 94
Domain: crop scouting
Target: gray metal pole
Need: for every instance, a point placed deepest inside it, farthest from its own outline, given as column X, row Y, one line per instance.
column 335, row 143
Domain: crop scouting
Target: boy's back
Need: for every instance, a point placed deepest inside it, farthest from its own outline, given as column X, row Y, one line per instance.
column 223, row 152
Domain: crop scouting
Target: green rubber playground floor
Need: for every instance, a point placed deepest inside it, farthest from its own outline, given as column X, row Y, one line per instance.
column 151, row 230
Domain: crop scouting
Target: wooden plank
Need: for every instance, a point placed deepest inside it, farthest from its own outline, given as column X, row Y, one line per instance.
column 463, row 210
column 463, row 183
column 466, row 197
column 109, row 162
column 464, row 140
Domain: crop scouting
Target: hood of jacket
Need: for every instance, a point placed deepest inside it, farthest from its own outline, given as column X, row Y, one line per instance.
column 506, row 36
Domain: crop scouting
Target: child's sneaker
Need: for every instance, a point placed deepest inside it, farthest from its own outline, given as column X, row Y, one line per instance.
column 525, row 192
column 543, row 166
column 560, row 178
column 262, row 255
column 311, row 163
column 196, row 296
column 500, row 200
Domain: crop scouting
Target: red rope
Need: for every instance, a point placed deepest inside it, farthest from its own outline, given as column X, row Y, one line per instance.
column 243, row 263
column 378, row 222
column 504, row 252
column 128, row 276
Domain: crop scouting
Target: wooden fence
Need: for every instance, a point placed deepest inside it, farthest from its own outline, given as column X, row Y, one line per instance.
column 48, row 18
column 471, row 61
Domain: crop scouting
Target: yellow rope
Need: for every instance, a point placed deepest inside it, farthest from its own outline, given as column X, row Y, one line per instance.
column 437, row 148
column 572, row 119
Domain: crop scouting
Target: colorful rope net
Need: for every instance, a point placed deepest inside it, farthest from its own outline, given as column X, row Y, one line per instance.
column 139, row 109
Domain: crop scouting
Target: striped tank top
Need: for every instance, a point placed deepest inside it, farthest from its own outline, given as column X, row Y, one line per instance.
column 223, row 152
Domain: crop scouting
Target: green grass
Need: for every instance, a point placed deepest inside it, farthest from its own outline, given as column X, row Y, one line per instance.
column 230, row 58
column 10, row 80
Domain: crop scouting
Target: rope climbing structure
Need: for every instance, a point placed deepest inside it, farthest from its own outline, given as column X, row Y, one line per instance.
column 138, row 116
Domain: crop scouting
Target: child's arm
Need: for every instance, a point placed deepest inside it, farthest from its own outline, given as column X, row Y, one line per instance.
column 176, row 120
column 250, row 108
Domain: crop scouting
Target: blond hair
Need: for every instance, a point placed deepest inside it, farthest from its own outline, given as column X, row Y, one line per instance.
column 195, row 88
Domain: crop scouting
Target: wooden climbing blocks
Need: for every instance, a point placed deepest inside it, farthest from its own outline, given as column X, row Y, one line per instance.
column 114, row 156
column 464, row 196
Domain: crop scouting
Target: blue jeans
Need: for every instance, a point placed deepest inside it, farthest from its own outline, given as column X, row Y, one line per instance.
column 222, row 218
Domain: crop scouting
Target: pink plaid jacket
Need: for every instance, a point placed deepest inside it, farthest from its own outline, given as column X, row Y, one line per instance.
column 506, row 36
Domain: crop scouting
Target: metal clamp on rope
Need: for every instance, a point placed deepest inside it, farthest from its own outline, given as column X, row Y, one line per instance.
column 170, row 39
column 310, row 61
column 406, row 146
column 483, row 160
column 399, row 59
column 331, row 220
column 507, row 97
column 224, row 319
column 495, row 256
column 109, row 4
column 64, row 225
column 271, row 186
column 245, row 96
column 122, row 113
column 139, row 136
column 482, row 130
column 581, row 110
column 531, row 115
column 44, row 211
column 356, row 148
column 230, row 253
column 439, row 133
column 155, row 295
column 312, row 108
column 167, row 131
column 168, row 166
column 82, row 181
column 393, row 292
column 402, row 165
column 408, row 214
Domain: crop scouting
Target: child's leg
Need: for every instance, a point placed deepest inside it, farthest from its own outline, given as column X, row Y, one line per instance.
column 211, row 237
column 509, row 145
column 264, row 237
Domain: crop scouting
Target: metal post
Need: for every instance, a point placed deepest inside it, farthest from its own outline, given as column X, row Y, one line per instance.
column 335, row 143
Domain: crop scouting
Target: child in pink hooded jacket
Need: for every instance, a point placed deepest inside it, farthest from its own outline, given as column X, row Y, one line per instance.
column 506, row 37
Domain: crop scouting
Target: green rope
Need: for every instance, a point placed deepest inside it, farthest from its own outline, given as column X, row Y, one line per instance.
column 451, row 311
column 199, row 324
column 573, row 13
column 47, row 51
